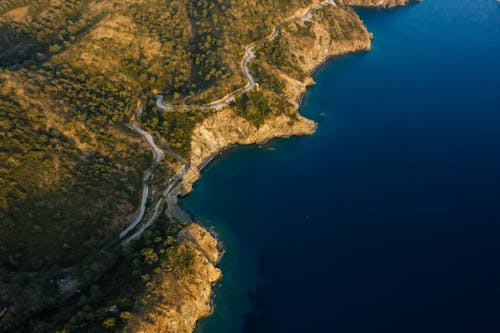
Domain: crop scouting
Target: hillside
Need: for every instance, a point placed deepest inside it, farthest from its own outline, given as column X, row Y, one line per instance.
column 73, row 162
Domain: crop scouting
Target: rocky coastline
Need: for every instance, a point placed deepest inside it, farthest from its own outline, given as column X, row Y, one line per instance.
column 188, row 298
column 226, row 129
column 183, row 297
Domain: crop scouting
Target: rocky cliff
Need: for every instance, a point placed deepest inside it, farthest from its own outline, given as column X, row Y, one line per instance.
column 378, row 3
column 184, row 292
column 331, row 31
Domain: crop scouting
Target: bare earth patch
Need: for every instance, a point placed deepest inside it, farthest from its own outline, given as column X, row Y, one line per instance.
column 18, row 15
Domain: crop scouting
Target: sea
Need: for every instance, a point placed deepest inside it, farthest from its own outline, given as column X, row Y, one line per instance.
column 387, row 219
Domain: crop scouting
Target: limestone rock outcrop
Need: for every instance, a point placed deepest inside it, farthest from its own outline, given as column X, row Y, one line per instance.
column 184, row 294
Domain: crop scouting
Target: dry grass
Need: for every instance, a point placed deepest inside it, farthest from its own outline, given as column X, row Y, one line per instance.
column 18, row 15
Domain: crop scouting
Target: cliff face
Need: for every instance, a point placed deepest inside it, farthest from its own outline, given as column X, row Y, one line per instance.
column 184, row 294
column 331, row 31
column 225, row 129
column 377, row 3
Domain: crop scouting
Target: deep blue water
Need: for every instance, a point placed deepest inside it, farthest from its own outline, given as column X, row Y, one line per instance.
column 388, row 218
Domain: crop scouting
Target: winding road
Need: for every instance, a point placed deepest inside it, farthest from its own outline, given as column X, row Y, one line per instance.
column 158, row 156
column 249, row 56
column 169, row 196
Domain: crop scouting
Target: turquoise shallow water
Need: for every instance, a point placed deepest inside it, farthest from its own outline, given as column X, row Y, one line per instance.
column 388, row 218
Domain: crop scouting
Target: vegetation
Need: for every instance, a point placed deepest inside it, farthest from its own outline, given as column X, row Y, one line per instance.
column 45, row 34
column 278, row 54
column 253, row 106
column 51, row 163
column 175, row 127
column 71, row 168
column 114, row 283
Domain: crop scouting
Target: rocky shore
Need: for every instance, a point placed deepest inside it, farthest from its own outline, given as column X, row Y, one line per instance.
column 186, row 299
column 225, row 128
column 184, row 294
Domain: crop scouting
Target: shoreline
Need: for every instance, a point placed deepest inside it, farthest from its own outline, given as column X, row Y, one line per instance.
column 184, row 186
column 208, row 160
column 229, row 224
column 219, row 154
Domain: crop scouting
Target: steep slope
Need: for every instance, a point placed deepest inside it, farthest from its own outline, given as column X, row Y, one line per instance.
column 183, row 295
